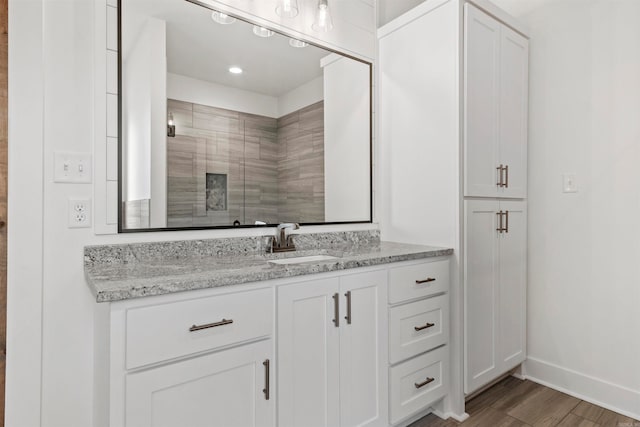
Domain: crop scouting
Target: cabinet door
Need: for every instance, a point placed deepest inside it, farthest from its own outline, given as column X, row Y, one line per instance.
column 513, row 290
column 481, row 293
column 514, row 78
column 481, row 51
column 363, row 350
column 308, row 354
column 223, row 389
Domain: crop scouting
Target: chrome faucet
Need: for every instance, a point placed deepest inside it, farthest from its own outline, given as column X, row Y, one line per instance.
column 282, row 241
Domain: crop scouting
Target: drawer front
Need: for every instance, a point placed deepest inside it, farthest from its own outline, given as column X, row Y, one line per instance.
column 162, row 332
column 418, row 327
column 408, row 392
column 418, row 280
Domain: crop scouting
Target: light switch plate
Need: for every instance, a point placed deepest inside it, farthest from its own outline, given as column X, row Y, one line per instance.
column 79, row 212
column 569, row 183
column 72, row 167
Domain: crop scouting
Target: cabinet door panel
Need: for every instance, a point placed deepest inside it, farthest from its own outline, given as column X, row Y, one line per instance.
column 481, row 50
column 514, row 78
column 218, row 390
column 481, row 293
column 363, row 352
column 308, row 355
column 513, row 279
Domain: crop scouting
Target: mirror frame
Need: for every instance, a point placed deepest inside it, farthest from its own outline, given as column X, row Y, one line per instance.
column 247, row 226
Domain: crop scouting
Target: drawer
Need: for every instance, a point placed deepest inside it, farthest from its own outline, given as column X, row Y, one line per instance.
column 418, row 327
column 162, row 332
column 408, row 395
column 418, row 280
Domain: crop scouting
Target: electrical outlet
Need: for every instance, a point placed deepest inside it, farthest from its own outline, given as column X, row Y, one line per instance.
column 79, row 213
column 72, row 167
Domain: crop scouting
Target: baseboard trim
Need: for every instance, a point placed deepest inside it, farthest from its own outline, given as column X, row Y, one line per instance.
column 611, row 396
column 447, row 415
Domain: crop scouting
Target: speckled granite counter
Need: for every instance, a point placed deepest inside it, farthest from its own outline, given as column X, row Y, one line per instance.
column 119, row 272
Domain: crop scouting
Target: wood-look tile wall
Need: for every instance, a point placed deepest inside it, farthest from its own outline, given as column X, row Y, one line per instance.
column 301, row 165
column 274, row 168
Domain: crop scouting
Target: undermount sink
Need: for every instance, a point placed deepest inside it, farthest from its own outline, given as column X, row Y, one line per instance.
column 303, row 259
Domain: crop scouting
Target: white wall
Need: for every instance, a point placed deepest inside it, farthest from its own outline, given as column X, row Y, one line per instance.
column 50, row 308
column 346, row 141
column 145, row 107
column 388, row 10
column 302, row 96
column 584, row 275
column 188, row 89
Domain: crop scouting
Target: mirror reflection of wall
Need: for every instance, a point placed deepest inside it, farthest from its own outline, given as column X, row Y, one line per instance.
column 286, row 138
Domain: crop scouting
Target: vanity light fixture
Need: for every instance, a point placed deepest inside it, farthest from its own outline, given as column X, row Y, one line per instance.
column 322, row 22
column 171, row 127
column 297, row 43
column 235, row 70
column 222, row 18
column 262, row 32
column 287, row 8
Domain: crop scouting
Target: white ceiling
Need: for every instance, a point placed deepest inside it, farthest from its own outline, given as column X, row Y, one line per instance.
column 200, row 48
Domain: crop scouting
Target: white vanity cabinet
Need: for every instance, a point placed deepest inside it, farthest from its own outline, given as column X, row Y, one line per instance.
column 495, row 293
column 192, row 359
column 418, row 337
column 227, row 388
column 332, row 351
column 495, row 105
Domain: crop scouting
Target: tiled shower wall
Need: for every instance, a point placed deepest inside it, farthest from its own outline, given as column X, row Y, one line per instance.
column 274, row 168
column 301, row 165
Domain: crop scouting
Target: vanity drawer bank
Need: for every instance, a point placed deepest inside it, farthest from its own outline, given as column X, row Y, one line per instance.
column 211, row 332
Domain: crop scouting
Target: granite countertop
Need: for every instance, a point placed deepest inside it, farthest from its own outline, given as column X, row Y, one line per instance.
column 120, row 272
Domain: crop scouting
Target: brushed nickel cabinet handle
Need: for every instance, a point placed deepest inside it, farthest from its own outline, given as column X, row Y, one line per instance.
column 265, row 390
column 427, row 280
column 336, row 310
column 348, row 316
column 427, row 326
column 500, row 169
column 210, row 325
column 506, row 229
column 500, row 223
column 425, row 382
column 506, row 181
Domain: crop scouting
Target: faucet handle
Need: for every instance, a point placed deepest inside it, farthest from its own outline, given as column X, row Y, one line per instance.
column 292, row 225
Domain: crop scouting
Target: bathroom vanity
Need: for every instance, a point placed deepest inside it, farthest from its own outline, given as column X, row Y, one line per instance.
column 215, row 333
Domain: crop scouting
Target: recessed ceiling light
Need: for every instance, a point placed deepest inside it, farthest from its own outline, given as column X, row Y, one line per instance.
column 222, row 18
column 297, row 43
column 235, row 70
column 262, row 32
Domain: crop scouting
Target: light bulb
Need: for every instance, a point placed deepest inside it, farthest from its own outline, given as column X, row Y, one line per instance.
column 323, row 20
column 287, row 8
column 170, row 120
column 235, row 70
column 222, row 18
column 262, row 32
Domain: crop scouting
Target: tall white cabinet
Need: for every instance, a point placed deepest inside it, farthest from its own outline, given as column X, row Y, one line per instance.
column 453, row 95
column 495, row 107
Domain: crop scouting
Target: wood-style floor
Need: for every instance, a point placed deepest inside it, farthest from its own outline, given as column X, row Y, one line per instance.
column 516, row 403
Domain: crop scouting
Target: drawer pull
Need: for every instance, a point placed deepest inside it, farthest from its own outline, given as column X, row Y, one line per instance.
column 210, row 325
column 425, row 382
column 348, row 316
column 427, row 280
column 265, row 390
column 427, row 326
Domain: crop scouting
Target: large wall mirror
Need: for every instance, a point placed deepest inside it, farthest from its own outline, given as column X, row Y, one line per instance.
column 224, row 123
